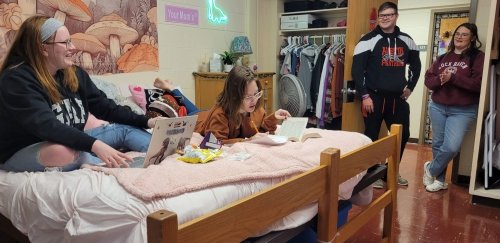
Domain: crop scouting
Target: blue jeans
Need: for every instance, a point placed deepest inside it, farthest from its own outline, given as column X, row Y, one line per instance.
column 117, row 136
column 449, row 126
column 190, row 107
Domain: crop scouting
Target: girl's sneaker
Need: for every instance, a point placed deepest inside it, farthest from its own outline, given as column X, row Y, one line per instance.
column 437, row 186
column 427, row 179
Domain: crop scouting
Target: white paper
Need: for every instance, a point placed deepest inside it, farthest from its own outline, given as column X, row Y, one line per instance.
column 266, row 139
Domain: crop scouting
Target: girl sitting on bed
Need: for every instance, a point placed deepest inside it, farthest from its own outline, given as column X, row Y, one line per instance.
column 238, row 113
column 45, row 102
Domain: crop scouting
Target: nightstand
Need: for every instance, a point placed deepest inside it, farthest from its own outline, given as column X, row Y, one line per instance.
column 209, row 85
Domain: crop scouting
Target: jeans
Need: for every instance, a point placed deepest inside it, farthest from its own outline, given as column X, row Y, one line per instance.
column 190, row 107
column 449, row 126
column 117, row 136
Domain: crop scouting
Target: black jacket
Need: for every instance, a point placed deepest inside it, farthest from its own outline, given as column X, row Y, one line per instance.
column 380, row 61
column 27, row 115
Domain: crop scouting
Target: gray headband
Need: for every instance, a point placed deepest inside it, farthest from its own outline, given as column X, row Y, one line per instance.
column 49, row 27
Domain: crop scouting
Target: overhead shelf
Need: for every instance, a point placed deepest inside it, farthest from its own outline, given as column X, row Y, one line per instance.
column 333, row 15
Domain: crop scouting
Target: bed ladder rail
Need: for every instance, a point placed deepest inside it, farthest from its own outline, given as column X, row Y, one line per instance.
column 250, row 215
column 349, row 165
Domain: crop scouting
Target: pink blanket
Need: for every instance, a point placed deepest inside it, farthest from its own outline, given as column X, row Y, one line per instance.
column 173, row 177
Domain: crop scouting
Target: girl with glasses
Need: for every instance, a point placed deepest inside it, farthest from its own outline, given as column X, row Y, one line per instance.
column 455, row 81
column 45, row 102
column 238, row 113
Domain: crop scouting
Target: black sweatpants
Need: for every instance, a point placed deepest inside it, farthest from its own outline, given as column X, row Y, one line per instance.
column 391, row 109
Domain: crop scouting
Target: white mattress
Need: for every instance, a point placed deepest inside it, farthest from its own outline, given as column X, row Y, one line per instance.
column 89, row 206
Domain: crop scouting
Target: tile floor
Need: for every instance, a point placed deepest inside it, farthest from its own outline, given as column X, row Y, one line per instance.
column 444, row 216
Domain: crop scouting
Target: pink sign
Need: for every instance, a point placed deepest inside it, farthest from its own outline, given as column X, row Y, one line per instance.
column 181, row 15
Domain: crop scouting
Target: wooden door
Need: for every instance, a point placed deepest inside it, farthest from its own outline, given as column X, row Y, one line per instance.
column 358, row 23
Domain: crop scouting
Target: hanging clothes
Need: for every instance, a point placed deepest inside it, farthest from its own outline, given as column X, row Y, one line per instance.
column 307, row 56
column 337, row 84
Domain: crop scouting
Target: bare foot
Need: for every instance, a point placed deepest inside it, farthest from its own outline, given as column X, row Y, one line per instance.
column 164, row 84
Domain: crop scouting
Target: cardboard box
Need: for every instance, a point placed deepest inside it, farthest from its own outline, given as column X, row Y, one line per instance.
column 298, row 18
column 294, row 25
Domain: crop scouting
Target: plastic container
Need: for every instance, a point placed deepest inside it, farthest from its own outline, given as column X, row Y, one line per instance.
column 309, row 235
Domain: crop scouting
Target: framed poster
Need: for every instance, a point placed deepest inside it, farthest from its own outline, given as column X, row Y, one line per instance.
column 109, row 36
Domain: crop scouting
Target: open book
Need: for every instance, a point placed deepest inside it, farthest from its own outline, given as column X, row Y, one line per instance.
column 292, row 129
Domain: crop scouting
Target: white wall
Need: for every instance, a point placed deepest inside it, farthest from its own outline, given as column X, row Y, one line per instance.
column 414, row 19
column 183, row 47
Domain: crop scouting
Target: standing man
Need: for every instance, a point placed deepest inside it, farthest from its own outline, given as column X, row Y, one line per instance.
column 378, row 69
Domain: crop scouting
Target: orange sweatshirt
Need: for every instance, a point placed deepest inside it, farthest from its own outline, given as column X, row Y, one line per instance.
column 227, row 132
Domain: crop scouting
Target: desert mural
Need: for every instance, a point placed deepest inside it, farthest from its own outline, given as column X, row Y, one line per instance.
column 118, row 36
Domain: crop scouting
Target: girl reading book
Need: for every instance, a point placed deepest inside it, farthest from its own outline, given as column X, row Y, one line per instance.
column 238, row 113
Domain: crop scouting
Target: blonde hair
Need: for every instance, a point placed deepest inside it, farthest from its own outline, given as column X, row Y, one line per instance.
column 28, row 48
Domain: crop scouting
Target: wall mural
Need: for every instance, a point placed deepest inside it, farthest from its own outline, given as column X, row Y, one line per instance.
column 110, row 36
column 444, row 25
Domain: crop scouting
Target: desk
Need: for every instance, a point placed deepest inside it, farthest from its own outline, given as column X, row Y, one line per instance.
column 209, row 85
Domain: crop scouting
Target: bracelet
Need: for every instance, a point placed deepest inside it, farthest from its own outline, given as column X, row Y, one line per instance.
column 365, row 96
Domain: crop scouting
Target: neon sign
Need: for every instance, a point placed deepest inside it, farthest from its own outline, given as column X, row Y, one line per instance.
column 215, row 14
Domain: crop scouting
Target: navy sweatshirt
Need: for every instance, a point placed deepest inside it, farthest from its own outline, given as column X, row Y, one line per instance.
column 27, row 115
column 380, row 60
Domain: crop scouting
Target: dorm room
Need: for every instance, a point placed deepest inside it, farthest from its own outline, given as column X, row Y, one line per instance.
column 101, row 205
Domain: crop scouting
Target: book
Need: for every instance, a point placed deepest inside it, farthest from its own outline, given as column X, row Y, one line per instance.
column 294, row 128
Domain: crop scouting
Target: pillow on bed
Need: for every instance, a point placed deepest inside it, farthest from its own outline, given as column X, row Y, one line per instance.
column 112, row 92
column 138, row 95
column 144, row 97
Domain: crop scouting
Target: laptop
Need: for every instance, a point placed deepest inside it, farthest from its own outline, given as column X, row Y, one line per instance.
column 168, row 136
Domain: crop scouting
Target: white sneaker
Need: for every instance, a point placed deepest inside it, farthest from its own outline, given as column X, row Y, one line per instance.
column 436, row 186
column 380, row 184
column 427, row 179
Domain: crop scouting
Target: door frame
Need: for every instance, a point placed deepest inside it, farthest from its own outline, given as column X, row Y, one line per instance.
column 432, row 50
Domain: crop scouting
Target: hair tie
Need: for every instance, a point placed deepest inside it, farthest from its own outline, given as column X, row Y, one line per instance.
column 49, row 27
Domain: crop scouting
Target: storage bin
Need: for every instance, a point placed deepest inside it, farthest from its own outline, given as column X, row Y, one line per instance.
column 302, row 5
column 309, row 235
column 298, row 18
column 294, row 25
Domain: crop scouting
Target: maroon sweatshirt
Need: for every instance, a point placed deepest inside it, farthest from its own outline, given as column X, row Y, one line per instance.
column 464, row 86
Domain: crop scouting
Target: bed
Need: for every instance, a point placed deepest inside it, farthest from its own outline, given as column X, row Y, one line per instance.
column 266, row 202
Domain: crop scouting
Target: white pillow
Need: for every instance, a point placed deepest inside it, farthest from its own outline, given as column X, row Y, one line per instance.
column 112, row 92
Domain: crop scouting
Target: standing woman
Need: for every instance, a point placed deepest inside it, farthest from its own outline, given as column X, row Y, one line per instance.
column 455, row 81
column 45, row 102
column 238, row 113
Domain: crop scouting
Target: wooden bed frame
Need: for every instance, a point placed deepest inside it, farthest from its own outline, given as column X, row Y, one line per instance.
column 244, row 218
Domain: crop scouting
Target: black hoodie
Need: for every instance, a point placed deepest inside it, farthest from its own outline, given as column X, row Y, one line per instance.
column 27, row 115
column 380, row 61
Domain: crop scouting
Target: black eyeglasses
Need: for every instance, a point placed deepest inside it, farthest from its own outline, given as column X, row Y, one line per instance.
column 383, row 16
column 67, row 42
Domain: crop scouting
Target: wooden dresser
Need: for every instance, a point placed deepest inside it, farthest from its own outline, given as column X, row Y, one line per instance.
column 209, row 85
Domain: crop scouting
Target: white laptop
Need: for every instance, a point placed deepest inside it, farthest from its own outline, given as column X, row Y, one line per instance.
column 168, row 136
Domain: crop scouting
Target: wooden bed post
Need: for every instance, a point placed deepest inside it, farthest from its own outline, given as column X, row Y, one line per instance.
column 162, row 227
column 392, row 175
column 329, row 203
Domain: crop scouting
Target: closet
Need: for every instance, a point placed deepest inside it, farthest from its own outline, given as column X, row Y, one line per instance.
column 357, row 23
column 488, row 17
